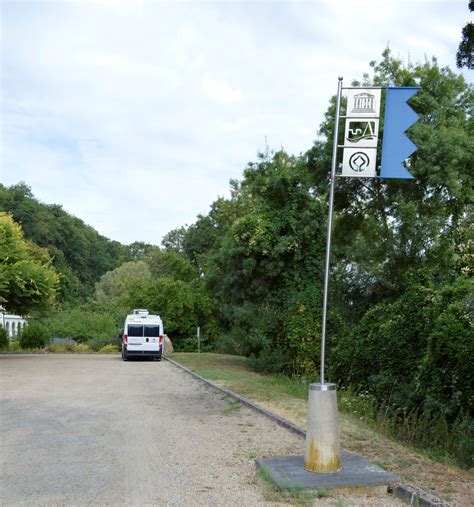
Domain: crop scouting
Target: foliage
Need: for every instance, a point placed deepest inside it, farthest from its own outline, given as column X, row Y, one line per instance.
column 69, row 347
column 182, row 306
column 4, row 341
column 172, row 264
column 465, row 53
column 14, row 346
column 99, row 342
column 265, row 269
column 79, row 253
column 174, row 239
column 138, row 251
column 81, row 324
column 34, row 336
column 413, row 349
column 27, row 279
column 112, row 286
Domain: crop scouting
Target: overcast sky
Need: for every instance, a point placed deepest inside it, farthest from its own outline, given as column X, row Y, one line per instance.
column 134, row 116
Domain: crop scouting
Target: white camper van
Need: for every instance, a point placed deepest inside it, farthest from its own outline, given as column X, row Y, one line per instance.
column 142, row 335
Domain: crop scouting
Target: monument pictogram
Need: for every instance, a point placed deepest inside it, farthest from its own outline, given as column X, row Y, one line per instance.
column 364, row 103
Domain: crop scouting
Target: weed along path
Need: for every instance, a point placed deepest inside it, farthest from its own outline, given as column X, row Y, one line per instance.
column 93, row 430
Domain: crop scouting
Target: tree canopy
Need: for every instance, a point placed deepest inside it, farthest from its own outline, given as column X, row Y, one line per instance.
column 79, row 253
column 27, row 279
column 465, row 53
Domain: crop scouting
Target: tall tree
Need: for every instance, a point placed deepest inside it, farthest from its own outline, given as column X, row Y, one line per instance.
column 264, row 267
column 465, row 54
column 27, row 280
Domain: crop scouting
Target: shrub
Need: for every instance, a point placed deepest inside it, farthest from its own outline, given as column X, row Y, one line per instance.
column 81, row 324
column 14, row 345
column 230, row 342
column 107, row 349
column 3, row 338
column 464, row 451
column 100, row 342
column 82, row 347
column 61, row 341
column 60, row 348
column 34, row 336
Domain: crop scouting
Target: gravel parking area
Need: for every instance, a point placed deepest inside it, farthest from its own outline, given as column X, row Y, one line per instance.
column 91, row 429
column 82, row 429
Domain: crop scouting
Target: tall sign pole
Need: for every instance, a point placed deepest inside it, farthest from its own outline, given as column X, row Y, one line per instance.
column 359, row 160
column 328, row 243
column 322, row 447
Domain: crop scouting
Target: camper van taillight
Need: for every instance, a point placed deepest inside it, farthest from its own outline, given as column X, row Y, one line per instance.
column 161, row 340
column 125, row 339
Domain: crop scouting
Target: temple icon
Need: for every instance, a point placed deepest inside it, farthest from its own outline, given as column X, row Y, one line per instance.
column 363, row 103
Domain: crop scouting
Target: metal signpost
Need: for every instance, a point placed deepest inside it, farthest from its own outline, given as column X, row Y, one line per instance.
column 360, row 151
column 198, row 334
column 328, row 243
column 359, row 160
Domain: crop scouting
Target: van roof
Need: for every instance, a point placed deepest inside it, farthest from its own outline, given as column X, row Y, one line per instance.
column 140, row 311
column 142, row 318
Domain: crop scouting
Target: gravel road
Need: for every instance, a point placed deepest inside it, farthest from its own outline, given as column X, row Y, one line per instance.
column 93, row 430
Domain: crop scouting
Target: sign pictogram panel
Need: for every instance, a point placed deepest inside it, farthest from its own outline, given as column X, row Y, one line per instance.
column 359, row 163
column 363, row 102
column 361, row 132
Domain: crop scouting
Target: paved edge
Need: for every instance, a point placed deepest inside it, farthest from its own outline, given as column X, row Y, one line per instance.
column 407, row 493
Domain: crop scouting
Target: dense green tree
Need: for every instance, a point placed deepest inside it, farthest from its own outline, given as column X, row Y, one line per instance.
column 170, row 263
column 265, row 267
column 174, row 239
column 465, row 54
column 114, row 285
column 27, row 280
column 183, row 306
column 139, row 250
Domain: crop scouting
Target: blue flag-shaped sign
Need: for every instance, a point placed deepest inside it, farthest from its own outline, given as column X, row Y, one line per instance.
column 396, row 146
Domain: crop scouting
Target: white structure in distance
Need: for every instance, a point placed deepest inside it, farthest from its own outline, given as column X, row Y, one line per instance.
column 12, row 323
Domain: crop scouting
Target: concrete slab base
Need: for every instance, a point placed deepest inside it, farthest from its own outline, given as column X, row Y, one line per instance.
column 357, row 473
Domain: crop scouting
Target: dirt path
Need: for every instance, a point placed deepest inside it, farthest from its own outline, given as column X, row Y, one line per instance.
column 91, row 429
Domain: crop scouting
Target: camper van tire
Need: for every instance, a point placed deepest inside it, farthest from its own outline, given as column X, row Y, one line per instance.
column 124, row 354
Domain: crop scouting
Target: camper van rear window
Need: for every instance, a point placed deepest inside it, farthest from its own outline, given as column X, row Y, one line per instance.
column 152, row 330
column 135, row 330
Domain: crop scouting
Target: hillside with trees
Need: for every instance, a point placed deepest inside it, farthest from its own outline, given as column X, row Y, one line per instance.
column 79, row 254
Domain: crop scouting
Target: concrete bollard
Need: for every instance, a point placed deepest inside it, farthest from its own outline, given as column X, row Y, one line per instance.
column 322, row 450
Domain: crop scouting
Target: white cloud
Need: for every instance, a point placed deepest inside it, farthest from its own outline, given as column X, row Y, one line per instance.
column 135, row 115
